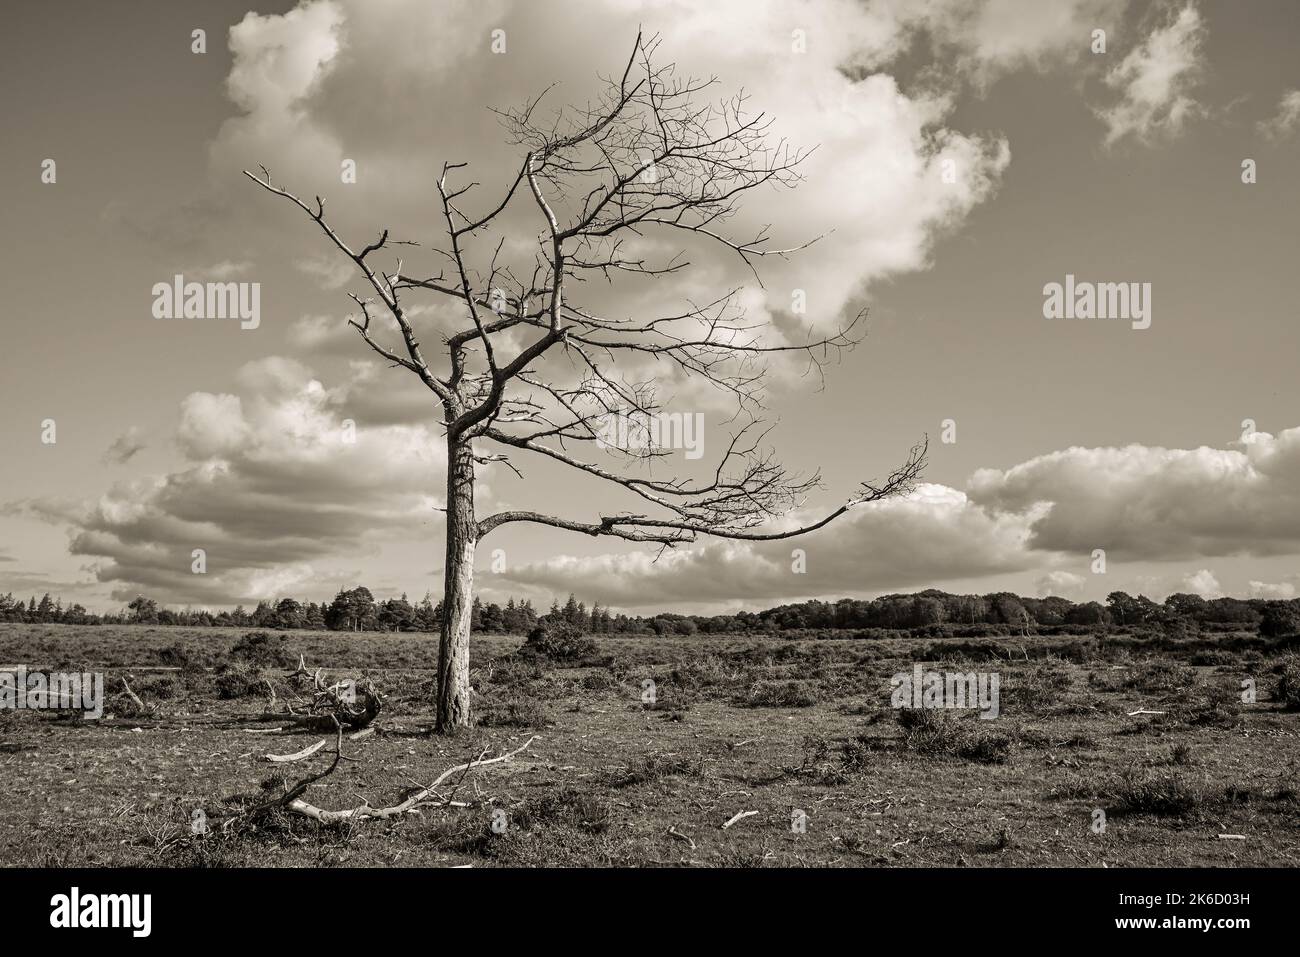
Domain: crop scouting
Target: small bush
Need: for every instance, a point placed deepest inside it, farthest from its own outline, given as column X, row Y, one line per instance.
column 706, row 671
column 654, row 767
column 1038, row 689
column 262, row 650
column 932, row 732
column 514, row 672
column 162, row 687
column 1160, row 676
column 857, row 752
column 1159, row 793
column 1288, row 684
column 568, row 807
column 780, row 694
column 1218, row 707
column 238, row 680
column 175, row 655
column 559, row 642
column 598, row 681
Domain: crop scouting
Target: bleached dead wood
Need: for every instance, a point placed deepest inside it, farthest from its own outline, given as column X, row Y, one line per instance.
column 133, row 696
column 738, row 817
column 302, row 755
column 298, row 805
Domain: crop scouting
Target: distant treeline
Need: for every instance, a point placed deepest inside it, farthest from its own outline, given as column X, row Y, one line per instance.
column 928, row 613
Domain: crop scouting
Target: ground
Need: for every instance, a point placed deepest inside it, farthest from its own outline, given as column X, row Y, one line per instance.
column 737, row 723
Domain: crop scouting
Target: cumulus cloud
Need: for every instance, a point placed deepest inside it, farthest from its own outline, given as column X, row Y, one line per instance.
column 1284, row 122
column 1138, row 503
column 1141, row 502
column 990, row 37
column 1274, row 590
column 374, row 394
column 1155, row 81
column 125, row 447
column 932, row 535
column 330, row 272
column 1062, row 584
column 323, row 335
column 1203, row 583
column 218, row 271
column 334, row 79
column 272, row 484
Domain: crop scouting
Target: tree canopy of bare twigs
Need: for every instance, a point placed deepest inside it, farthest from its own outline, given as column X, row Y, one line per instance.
column 654, row 163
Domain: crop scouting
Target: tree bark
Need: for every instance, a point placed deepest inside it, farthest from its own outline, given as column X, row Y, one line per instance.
column 458, row 591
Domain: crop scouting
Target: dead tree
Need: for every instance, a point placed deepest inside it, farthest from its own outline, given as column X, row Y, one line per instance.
column 651, row 158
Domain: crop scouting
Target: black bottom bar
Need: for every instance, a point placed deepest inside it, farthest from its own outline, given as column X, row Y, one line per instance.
column 292, row 906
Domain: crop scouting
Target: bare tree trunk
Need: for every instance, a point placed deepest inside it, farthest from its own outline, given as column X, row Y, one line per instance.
column 458, row 593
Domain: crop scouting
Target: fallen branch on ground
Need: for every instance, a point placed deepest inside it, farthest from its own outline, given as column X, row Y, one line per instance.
column 366, row 811
column 292, row 799
column 302, row 755
column 738, row 817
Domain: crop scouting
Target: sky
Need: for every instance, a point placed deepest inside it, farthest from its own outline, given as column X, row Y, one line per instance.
column 968, row 155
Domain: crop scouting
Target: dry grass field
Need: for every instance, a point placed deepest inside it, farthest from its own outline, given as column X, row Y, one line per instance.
column 738, row 724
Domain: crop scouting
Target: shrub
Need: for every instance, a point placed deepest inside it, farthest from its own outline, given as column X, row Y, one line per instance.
column 559, row 642
column 1218, row 706
column 932, row 732
column 175, row 655
column 568, row 807
column 514, row 672
column 1038, row 689
column 598, row 681
column 160, row 686
column 1209, row 658
column 654, row 767
column 237, row 680
column 263, row 650
column 1161, row 676
column 1161, row 793
column 1288, row 683
column 707, row 671
column 780, row 694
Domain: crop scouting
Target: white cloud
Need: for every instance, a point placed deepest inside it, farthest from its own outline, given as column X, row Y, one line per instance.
column 991, row 37
column 1155, row 81
column 1060, row 583
column 1279, row 590
column 1203, row 583
column 330, row 271
column 271, row 486
column 1139, row 503
column 933, row 535
column 337, row 78
column 1285, row 121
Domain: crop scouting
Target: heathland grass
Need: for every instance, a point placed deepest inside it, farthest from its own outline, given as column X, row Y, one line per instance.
column 737, row 724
